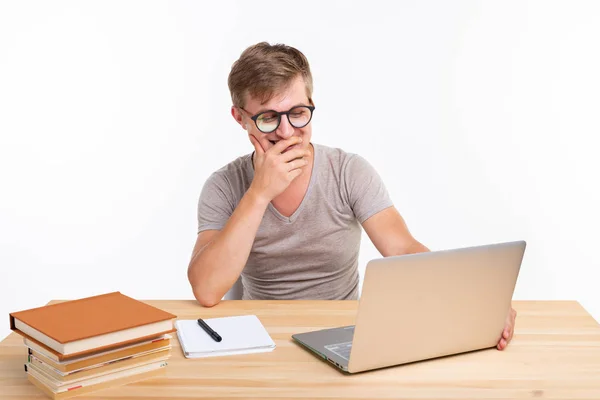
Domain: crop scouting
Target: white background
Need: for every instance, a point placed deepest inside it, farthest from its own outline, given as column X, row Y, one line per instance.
column 481, row 117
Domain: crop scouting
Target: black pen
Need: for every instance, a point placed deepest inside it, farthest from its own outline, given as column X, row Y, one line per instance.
column 209, row 330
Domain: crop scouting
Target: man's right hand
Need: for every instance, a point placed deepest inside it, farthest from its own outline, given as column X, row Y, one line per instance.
column 274, row 170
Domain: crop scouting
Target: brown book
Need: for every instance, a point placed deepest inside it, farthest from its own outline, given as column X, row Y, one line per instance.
column 57, row 386
column 87, row 361
column 77, row 327
column 71, row 378
column 83, row 389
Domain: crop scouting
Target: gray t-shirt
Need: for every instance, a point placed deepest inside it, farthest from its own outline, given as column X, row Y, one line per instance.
column 313, row 254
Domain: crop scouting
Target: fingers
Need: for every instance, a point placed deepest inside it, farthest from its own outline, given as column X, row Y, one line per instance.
column 507, row 335
column 508, row 332
column 257, row 146
column 293, row 154
column 510, row 328
column 299, row 163
column 502, row 344
column 284, row 144
column 293, row 174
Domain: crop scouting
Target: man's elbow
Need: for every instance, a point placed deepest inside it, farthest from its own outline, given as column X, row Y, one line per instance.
column 207, row 301
column 204, row 296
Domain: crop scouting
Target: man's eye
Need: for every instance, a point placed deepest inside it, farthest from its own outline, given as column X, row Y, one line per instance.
column 297, row 115
column 268, row 119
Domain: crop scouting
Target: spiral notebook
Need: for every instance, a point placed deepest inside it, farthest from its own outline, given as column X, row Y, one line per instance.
column 240, row 335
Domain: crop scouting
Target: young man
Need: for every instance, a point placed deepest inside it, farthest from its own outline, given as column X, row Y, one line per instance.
column 287, row 218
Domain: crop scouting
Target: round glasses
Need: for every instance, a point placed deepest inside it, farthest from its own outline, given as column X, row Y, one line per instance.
column 268, row 121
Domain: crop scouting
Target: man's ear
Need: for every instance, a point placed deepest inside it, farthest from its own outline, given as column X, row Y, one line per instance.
column 239, row 118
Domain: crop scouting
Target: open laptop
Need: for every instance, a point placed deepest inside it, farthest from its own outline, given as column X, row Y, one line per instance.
column 421, row 306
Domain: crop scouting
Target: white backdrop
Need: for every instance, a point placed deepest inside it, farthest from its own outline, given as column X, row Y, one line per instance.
column 481, row 117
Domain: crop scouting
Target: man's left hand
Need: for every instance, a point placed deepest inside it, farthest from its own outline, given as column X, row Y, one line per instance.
column 509, row 329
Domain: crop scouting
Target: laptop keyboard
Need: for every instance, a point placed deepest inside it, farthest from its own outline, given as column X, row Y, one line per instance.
column 341, row 349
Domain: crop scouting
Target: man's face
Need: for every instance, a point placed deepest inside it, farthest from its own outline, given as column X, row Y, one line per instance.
column 294, row 95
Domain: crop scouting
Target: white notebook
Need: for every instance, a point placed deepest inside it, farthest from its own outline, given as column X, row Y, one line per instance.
column 239, row 335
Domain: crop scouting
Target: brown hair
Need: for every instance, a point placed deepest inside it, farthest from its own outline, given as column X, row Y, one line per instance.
column 264, row 69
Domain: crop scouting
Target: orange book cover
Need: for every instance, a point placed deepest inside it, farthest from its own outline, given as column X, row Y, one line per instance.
column 90, row 317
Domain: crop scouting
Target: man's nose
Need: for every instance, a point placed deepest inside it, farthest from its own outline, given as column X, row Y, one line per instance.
column 285, row 130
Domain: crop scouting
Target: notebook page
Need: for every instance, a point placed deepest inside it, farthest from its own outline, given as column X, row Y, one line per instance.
column 240, row 334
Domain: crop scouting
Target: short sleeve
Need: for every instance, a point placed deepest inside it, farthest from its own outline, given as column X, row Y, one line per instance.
column 215, row 205
column 367, row 194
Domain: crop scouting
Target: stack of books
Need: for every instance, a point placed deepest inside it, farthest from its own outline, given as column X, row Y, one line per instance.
column 84, row 345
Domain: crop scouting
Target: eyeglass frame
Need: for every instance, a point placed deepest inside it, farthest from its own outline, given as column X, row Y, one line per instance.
column 279, row 114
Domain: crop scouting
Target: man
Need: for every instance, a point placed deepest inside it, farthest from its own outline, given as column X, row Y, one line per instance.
column 287, row 218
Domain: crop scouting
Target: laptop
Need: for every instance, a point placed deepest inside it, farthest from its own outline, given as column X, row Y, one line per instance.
column 422, row 306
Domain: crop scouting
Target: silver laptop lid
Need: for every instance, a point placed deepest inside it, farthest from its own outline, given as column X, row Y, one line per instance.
column 427, row 305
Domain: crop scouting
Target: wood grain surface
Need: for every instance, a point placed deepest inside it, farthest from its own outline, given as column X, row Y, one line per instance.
column 555, row 354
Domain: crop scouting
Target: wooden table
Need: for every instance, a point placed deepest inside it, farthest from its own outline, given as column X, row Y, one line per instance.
column 555, row 354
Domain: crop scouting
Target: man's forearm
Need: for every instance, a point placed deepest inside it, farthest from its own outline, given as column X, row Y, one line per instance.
column 216, row 267
column 416, row 247
column 412, row 247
